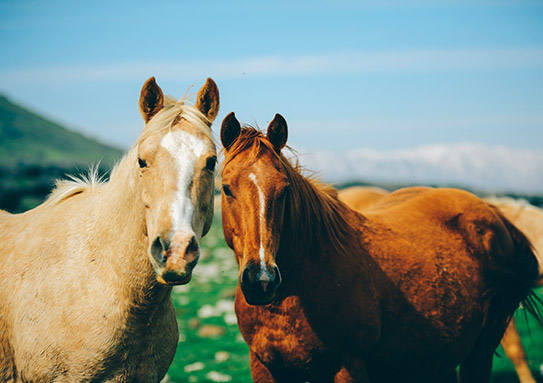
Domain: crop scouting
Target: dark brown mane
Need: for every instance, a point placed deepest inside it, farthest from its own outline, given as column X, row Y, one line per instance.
column 309, row 199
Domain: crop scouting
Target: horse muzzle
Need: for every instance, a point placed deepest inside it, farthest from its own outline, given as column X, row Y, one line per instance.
column 259, row 283
column 174, row 260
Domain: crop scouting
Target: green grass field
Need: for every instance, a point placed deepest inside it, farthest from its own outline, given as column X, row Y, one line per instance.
column 211, row 348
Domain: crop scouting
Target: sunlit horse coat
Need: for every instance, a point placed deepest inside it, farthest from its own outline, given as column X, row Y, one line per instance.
column 85, row 278
column 528, row 218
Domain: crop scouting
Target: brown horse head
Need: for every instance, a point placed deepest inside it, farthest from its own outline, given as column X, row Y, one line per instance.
column 176, row 158
column 255, row 187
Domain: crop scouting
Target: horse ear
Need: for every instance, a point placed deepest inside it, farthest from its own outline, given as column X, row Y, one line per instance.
column 277, row 132
column 207, row 100
column 230, row 130
column 151, row 99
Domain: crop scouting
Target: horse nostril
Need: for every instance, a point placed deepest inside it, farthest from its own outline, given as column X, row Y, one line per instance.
column 193, row 245
column 192, row 252
column 266, row 280
column 245, row 278
column 158, row 250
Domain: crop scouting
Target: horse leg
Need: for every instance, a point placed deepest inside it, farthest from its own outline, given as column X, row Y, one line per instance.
column 259, row 372
column 451, row 377
column 512, row 346
column 477, row 366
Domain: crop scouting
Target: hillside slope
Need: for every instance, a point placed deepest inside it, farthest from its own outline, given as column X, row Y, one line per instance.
column 35, row 151
column 27, row 138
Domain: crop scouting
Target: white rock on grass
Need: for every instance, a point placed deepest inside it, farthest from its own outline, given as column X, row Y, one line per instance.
column 222, row 307
column 206, row 311
column 218, row 377
column 197, row 366
column 222, row 356
column 182, row 288
column 230, row 319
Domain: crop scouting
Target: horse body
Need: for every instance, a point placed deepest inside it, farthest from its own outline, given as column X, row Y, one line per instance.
column 353, row 320
column 434, row 309
column 85, row 294
column 80, row 325
column 405, row 292
column 527, row 218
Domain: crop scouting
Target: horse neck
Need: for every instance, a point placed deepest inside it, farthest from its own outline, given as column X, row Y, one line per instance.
column 316, row 222
column 120, row 220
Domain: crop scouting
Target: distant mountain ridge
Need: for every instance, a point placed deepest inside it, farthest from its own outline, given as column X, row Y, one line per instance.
column 471, row 165
column 29, row 139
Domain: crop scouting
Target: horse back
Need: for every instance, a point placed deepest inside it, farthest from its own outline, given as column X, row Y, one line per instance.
column 470, row 227
column 449, row 262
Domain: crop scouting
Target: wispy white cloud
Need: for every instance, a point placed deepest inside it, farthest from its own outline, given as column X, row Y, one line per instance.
column 429, row 123
column 329, row 64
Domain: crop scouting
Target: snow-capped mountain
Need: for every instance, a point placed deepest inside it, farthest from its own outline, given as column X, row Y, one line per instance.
column 476, row 166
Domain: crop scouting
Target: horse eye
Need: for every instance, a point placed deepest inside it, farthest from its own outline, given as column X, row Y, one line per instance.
column 210, row 163
column 142, row 163
column 226, row 190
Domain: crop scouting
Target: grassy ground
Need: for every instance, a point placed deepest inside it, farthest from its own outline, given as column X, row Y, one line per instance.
column 211, row 348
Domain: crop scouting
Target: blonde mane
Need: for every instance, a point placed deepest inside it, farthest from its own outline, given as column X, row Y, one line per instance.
column 75, row 185
column 173, row 111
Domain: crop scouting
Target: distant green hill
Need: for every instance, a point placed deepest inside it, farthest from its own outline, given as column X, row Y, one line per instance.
column 35, row 151
column 29, row 139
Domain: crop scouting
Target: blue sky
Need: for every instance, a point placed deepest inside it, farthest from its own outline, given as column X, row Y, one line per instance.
column 345, row 74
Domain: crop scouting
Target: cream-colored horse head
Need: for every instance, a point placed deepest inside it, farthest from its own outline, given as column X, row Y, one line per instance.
column 176, row 157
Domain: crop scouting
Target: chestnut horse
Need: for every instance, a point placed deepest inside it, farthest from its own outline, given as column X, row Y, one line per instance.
column 85, row 278
column 528, row 218
column 325, row 294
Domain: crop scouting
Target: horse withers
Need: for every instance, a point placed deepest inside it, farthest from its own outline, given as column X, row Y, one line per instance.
column 405, row 292
column 85, row 278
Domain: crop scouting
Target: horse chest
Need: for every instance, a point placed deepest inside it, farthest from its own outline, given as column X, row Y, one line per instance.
column 279, row 335
column 143, row 350
column 108, row 347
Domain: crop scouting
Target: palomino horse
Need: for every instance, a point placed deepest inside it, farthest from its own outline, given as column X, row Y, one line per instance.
column 360, row 198
column 85, row 278
column 325, row 294
column 528, row 218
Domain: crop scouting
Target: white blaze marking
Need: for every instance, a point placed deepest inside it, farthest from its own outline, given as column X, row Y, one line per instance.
column 262, row 208
column 185, row 148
